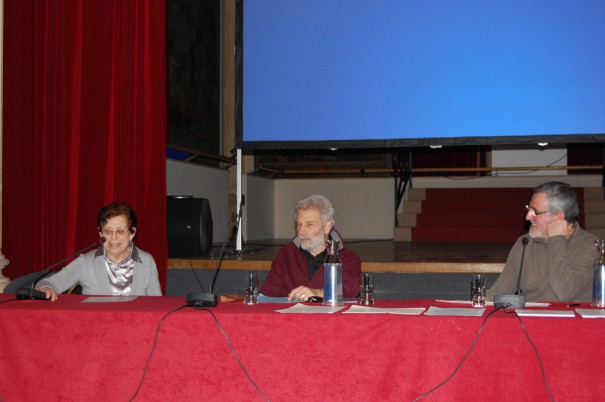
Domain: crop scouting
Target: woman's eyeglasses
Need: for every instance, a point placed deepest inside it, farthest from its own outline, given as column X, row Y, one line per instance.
column 118, row 232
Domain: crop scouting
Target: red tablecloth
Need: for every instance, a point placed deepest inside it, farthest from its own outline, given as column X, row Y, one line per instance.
column 70, row 350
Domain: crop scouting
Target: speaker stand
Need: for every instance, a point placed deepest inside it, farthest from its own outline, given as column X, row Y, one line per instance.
column 249, row 250
column 241, row 248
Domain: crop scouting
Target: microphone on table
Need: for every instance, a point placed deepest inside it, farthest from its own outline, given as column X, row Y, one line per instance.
column 516, row 300
column 205, row 299
column 27, row 292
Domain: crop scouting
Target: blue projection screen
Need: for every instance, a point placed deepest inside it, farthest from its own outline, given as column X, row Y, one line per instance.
column 389, row 73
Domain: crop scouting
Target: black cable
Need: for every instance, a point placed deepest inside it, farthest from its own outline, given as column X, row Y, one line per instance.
column 463, row 358
column 155, row 340
column 233, row 352
column 9, row 300
column 221, row 254
column 196, row 277
column 538, row 357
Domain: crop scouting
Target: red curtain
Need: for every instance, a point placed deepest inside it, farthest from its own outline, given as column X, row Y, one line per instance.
column 84, row 125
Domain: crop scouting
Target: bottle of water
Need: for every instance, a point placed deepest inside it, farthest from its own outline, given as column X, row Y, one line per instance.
column 598, row 279
column 333, row 276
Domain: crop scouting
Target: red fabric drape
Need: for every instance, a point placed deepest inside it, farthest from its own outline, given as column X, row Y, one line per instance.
column 84, row 125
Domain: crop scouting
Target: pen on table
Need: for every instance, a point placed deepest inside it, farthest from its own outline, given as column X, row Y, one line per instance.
column 573, row 304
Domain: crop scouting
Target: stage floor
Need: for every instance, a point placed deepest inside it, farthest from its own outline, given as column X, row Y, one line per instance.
column 376, row 256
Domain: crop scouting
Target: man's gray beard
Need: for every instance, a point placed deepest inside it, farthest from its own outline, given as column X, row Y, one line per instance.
column 315, row 243
column 533, row 232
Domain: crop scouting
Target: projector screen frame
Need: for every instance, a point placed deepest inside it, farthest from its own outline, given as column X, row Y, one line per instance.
column 376, row 144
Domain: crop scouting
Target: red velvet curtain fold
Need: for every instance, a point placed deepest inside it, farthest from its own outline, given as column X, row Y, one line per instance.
column 84, row 125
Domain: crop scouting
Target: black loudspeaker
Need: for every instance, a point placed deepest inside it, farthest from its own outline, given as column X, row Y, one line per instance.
column 189, row 222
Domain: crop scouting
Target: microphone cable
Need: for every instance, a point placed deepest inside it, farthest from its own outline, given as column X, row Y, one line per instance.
column 461, row 361
column 205, row 298
column 196, row 277
column 6, row 301
column 221, row 254
column 232, row 349
column 155, row 341
column 537, row 356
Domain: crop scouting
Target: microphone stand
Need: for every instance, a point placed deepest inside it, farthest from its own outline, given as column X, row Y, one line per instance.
column 209, row 299
column 30, row 292
column 516, row 300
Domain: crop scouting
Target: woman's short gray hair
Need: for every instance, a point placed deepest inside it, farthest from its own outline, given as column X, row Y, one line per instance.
column 561, row 198
column 319, row 202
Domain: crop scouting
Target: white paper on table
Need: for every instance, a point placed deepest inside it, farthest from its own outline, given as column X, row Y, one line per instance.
column 276, row 299
column 591, row 313
column 536, row 304
column 109, row 299
column 545, row 313
column 310, row 309
column 453, row 311
column 271, row 299
column 377, row 310
column 491, row 303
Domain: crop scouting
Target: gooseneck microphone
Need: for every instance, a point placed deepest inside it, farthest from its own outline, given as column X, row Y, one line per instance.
column 516, row 300
column 27, row 292
column 205, row 299
column 524, row 241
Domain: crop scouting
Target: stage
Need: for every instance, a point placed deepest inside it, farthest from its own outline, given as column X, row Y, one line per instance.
column 376, row 256
column 404, row 270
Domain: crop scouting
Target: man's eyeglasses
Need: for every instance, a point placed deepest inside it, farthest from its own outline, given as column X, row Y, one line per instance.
column 118, row 232
column 534, row 212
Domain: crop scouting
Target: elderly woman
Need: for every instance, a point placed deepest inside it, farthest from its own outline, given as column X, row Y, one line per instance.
column 115, row 268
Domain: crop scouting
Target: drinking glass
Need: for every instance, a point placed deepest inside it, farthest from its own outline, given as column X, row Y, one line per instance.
column 478, row 290
column 251, row 289
column 366, row 293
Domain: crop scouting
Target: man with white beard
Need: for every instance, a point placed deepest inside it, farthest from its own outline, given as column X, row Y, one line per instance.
column 297, row 270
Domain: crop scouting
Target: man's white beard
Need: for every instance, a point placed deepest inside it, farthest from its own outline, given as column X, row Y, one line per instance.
column 315, row 243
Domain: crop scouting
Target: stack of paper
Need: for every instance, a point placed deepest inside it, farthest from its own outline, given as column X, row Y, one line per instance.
column 591, row 313
column 545, row 313
column 454, row 311
column 311, row 309
column 376, row 310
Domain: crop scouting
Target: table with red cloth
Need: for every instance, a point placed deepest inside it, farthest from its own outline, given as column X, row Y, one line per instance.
column 72, row 350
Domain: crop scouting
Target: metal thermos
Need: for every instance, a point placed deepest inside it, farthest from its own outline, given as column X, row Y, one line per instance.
column 598, row 279
column 333, row 276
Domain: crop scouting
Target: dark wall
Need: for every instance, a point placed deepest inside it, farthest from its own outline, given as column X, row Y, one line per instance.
column 193, row 41
column 388, row 285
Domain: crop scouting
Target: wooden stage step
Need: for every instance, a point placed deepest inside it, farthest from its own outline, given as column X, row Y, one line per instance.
column 480, row 214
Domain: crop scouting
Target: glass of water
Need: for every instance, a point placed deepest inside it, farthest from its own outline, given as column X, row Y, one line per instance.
column 478, row 290
column 251, row 289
